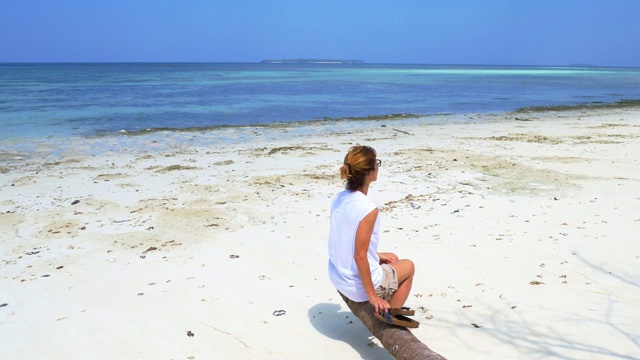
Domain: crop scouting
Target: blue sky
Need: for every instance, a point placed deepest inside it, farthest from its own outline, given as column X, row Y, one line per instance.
column 497, row 32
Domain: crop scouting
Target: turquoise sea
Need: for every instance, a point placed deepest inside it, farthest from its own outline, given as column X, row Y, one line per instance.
column 60, row 101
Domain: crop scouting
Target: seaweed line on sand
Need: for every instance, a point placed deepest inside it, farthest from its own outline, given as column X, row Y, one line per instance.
column 624, row 103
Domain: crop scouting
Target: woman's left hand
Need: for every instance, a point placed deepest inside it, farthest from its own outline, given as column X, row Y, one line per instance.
column 387, row 257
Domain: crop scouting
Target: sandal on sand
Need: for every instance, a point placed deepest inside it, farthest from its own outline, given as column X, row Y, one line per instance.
column 406, row 311
column 397, row 320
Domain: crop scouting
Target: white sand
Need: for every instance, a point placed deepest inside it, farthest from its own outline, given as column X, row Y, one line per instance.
column 528, row 229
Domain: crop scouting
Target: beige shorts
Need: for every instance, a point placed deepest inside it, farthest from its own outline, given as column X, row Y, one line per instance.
column 389, row 283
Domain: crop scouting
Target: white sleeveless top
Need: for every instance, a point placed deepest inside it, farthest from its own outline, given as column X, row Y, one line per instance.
column 347, row 210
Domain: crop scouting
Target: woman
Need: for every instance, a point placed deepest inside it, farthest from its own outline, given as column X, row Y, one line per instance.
column 356, row 268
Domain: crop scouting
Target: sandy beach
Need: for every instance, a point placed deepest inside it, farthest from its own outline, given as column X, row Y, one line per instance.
column 523, row 227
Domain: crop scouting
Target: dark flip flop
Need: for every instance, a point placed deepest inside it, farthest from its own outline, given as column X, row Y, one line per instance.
column 406, row 311
column 397, row 320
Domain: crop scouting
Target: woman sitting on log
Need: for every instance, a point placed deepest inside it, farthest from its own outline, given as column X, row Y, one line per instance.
column 356, row 268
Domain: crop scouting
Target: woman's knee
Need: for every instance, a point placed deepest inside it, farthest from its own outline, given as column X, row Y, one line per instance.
column 405, row 269
column 411, row 267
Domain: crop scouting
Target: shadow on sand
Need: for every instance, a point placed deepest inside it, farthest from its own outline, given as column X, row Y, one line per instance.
column 343, row 326
column 544, row 341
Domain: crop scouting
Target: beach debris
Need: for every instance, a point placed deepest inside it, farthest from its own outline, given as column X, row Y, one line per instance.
column 176, row 167
column 59, row 267
column 279, row 313
column 429, row 317
column 3, row 305
column 476, row 325
column 226, row 162
column 513, row 307
column 287, row 149
column 45, row 275
column 402, row 131
column 535, row 282
column 466, row 306
column 234, row 256
column 140, row 294
column 74, row 202
column 143, row 256
column 190, row 334
column 32, row 252
column 151, row 248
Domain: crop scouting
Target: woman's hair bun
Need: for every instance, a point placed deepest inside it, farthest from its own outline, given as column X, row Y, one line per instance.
column 358, row 162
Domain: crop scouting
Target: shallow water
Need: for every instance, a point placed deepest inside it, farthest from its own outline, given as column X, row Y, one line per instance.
column 61, row 101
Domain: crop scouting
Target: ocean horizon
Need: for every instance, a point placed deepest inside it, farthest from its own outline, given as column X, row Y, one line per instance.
column 319, row 61
column 64, row 100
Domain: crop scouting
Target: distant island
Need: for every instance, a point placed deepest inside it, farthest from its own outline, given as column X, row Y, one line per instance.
column 583, row 65
column 312, row 61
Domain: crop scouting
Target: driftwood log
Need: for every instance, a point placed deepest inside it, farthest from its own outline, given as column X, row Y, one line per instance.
column 398, row 341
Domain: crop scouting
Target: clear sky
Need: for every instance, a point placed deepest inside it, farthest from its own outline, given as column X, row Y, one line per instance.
column 483, row 32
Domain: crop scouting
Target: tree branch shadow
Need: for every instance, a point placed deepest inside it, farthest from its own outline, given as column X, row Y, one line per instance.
column 546, row 342
column 609, row 333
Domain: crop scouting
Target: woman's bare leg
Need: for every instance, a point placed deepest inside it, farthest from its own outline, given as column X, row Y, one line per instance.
column 405, row 270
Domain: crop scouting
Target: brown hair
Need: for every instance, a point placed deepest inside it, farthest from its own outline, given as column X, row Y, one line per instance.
column 358, row 162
